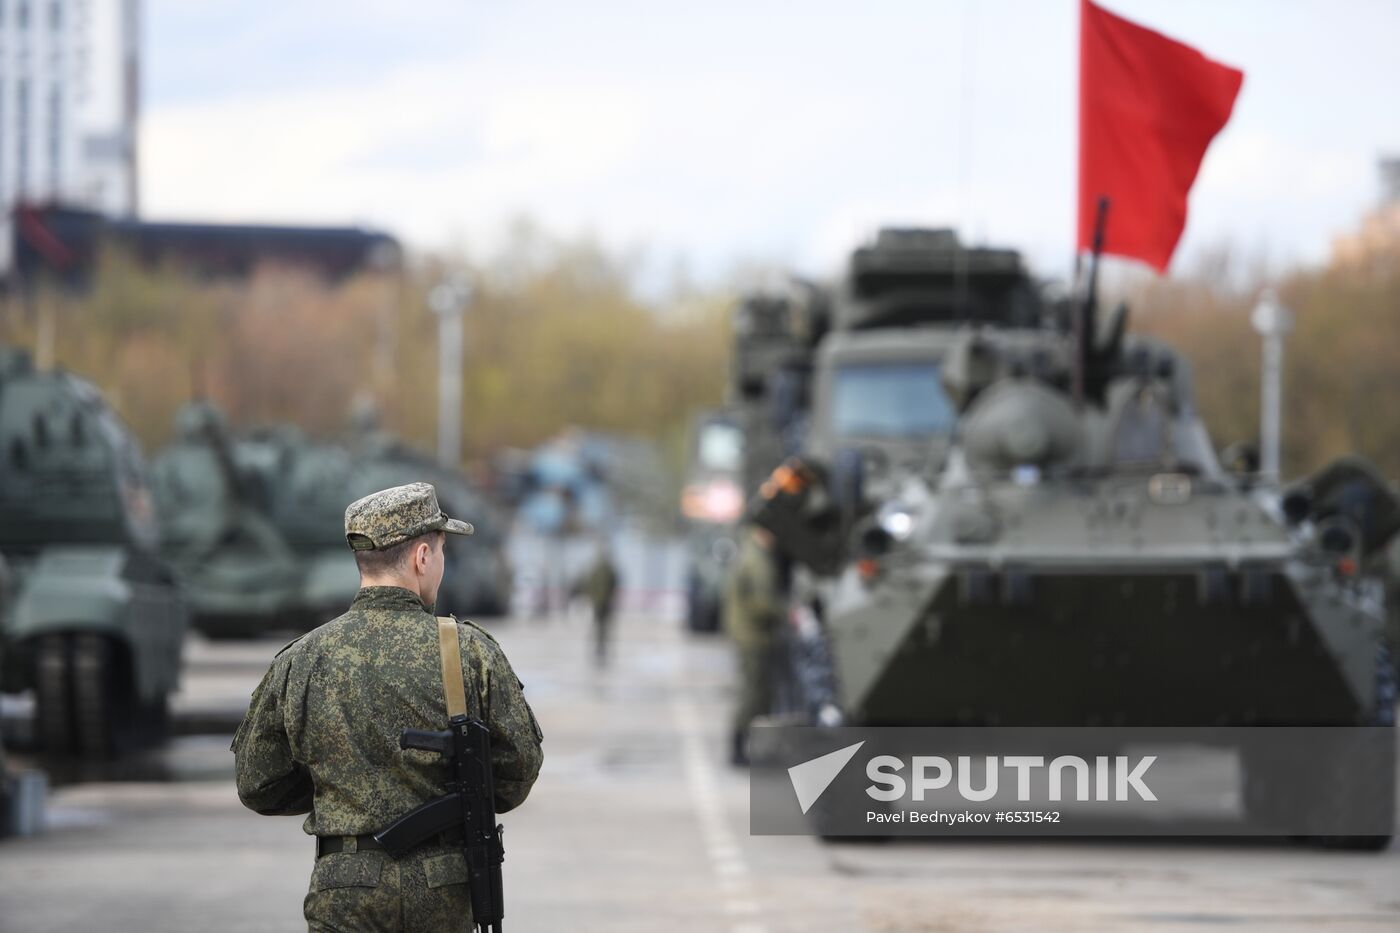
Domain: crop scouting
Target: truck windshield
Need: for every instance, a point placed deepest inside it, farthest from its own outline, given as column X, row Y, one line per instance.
column 721, row 446
column 890, row 400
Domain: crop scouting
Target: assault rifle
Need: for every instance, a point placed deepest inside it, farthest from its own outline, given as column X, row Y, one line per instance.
column 469, row 805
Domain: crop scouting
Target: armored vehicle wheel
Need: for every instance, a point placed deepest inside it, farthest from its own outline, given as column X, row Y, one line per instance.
column 1371, row 787
column 86, row 702
column 702, row 619
column 1357, row 790
column 702, row 612
column 104, row 705
column 805, row 676
column 696, row 619
column 1372, row 783
column 53, row 695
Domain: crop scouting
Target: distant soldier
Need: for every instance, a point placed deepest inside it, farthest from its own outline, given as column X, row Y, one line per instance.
column 321, row 735
column 601, row 586
column 4, row 774
column 754, row 608
column 1392, row 602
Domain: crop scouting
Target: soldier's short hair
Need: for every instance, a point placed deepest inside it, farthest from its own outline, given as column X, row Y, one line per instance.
column 393, row 557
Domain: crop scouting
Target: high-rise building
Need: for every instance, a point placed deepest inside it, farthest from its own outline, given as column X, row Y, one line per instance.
column 69, row 87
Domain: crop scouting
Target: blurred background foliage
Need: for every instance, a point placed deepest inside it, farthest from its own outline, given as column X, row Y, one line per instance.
column 1341, row 362
column 559, row 334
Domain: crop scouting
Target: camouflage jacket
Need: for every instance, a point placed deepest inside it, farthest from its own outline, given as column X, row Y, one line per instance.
column 321, row 735
column 754, row 602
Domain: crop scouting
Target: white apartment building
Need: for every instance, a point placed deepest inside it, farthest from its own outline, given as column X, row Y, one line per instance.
column 69, row 84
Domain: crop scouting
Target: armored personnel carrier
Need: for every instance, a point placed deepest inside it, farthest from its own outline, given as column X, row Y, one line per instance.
column 1083, row 559
column 95, row 623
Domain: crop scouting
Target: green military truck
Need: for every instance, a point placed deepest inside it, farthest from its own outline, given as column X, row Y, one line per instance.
column 851, row 375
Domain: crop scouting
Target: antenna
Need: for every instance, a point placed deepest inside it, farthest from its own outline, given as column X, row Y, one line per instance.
column 966, row 127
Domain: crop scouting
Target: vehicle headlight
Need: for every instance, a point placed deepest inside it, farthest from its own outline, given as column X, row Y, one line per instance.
column 896, row 520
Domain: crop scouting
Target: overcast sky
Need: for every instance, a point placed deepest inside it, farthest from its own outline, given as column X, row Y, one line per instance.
column 730, row 131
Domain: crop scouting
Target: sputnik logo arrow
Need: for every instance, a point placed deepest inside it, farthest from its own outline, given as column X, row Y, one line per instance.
column 811, row 778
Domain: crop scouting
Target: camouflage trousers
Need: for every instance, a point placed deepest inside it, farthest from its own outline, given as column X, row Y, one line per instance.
column 755, row 693
column 360, row 892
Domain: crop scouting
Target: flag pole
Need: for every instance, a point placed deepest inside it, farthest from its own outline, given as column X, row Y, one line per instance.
column 1084, row 321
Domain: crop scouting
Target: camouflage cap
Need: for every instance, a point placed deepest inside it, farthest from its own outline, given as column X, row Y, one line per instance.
column 392, row 516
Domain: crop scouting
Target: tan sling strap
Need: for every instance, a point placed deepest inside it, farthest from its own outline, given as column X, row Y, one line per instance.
column 453, row 688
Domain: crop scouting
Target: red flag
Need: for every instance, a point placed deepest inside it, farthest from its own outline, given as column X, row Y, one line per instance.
column 1148, row 108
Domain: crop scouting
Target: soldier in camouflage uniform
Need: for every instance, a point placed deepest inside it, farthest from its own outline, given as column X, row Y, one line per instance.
column 4, row 773
column 1391, row 577
column 755, row 604
column 601, row 586
column 321, row 735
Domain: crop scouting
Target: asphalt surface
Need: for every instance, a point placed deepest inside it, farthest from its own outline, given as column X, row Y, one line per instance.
column 636, row 824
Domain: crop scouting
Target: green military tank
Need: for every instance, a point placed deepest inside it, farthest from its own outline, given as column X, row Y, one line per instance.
column 95, row 624
column 478, row 578
column 239, row 572
column 302, row 487
column 254, row 523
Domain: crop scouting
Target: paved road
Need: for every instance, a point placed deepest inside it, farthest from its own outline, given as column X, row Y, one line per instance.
column 636, row 825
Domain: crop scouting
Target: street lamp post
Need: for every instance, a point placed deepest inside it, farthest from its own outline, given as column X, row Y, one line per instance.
column 1273, row 322
column 448, row 300
column 387, row 263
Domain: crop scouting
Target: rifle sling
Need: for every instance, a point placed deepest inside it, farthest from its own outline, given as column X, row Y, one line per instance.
column 453, row 688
